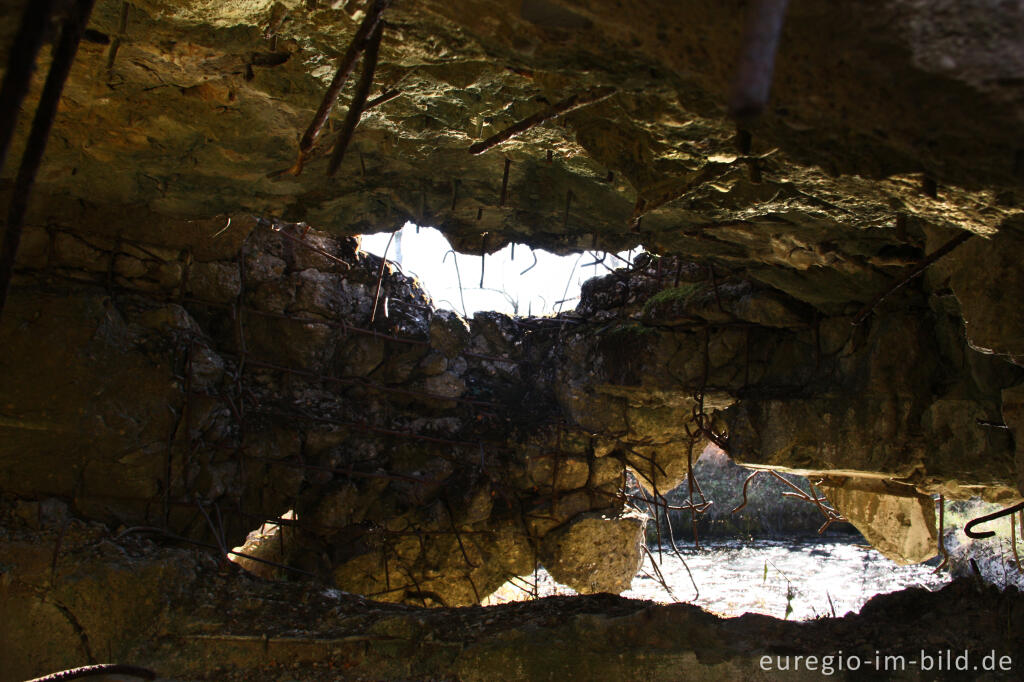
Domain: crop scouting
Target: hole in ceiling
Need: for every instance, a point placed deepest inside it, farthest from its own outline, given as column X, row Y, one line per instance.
column 517, row 280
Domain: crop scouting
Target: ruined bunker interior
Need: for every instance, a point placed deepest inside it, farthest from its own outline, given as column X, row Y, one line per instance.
column 235, row 445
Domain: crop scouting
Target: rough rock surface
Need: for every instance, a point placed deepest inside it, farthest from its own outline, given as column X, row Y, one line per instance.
column 899, row 523
column 170, row 362
column 594, row 553
column 182, row 615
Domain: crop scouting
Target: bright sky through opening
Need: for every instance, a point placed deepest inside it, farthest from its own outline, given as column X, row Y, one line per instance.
column 513, row 287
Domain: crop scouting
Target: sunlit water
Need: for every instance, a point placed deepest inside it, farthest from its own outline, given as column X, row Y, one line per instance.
column 732, row 579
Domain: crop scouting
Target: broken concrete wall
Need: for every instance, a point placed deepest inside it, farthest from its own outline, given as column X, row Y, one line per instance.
column 167, row 366
column 427, row 458
column 241, row 389
column 73, row 594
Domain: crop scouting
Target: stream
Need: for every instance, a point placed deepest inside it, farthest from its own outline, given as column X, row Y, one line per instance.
column 815, row 578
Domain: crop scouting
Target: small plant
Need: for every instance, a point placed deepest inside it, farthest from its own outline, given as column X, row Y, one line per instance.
column 673, row 296
column 790, row 591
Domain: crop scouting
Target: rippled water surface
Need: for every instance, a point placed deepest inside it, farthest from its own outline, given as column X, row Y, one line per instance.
column 732, row 580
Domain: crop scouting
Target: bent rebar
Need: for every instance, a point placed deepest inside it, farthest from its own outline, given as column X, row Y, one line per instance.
column 977, row 535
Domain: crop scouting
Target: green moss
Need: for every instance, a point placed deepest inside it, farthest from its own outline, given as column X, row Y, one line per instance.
column 668, row 297
column 627, row 332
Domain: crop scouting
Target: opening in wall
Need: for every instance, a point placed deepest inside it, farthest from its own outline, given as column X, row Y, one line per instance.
column 517, row 280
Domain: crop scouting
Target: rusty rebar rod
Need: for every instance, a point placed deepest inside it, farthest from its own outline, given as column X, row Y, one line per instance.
column 504, row 183
column 650, row 460
column 362, row 91
column 369, row 427
column 98, row 669
column 340, row 324
column 525, row 590
column 21, row 63
column 980, row 534
column 458, row 276
column 115, row 45
column 344, row 471
column 578, row 101
column 184, row 420
column 831, row 515
column 657, row 521
column 215, row 530
column 60, row 68
column 942, row 540
column 756, row 67
column 319, row 152
column 380, row 388
column 532, row 265
column 385, row 96
column 689, row 492
column 918, row 269
column 280, row 229
column 345, row 66
column 675, row 550
column 380, row 276
column 658, row 577
column 458, row 537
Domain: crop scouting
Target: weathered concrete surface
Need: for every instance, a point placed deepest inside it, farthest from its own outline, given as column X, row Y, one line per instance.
column 408, row 492
column 594, row 553
column 203, row 102
column 151, row 380
column 264, row 388
column 898, row 521
column 1013, row 416
column 178, row 613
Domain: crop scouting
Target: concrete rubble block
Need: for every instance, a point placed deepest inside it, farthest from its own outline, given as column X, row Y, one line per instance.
column 261, row 266
column 302, row 345
column 369, row 575
column 549, row 470
column 897, row 520
column 662, row 468
column 318, row 293
column 358, row 356
column 554, row 510
column 168, row 275
column 269, row 542
column 432, row 364
column 336, row 509
column 149, row 252
column 70, row 251
column 129, row 267
column 606, row 471
column 449, row 333
column 592, row 410
column 659, row 423
column 769, row 309
column 303, row 257
column 595, row 552
column 477, row 505
column 214, row 281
